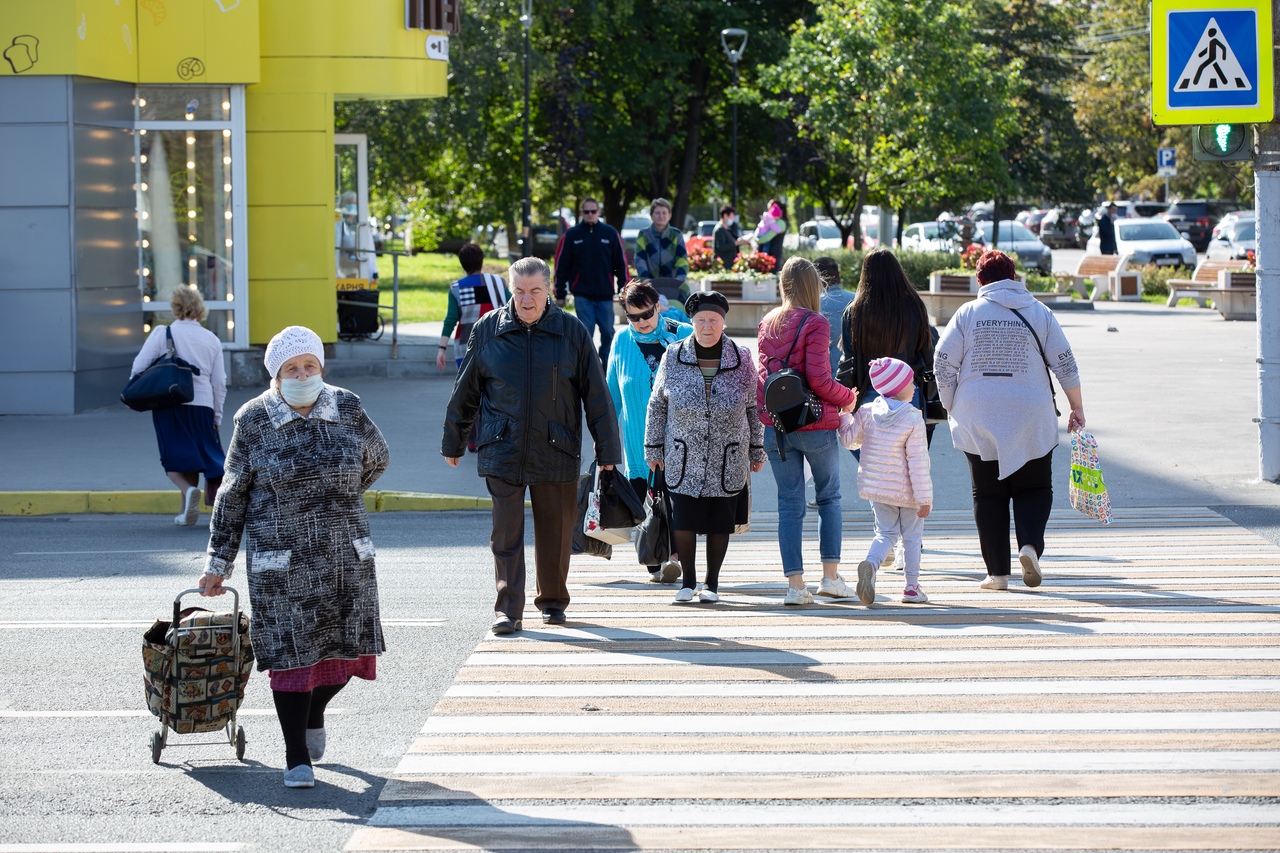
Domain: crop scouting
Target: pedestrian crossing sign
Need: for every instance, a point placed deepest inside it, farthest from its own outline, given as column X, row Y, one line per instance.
column 1211, row 62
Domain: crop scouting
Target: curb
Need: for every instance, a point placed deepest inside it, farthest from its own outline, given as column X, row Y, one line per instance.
column 167, row 502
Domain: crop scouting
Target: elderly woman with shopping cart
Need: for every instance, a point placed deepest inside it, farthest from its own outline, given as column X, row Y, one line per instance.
column 302, row 455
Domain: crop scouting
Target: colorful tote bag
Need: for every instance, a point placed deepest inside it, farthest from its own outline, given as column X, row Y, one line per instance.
column 1087, row 491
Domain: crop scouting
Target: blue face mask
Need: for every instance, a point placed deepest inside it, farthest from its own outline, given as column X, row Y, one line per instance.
column 301, row 392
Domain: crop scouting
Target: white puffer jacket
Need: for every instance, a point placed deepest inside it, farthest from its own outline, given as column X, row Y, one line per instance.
column 894, row 464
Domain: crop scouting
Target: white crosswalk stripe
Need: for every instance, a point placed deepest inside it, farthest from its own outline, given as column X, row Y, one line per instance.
column 1132, row 701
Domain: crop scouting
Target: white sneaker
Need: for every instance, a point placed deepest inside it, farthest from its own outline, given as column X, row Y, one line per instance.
column 798, row 596
column 913, row 594
column 301, row 776
column 709, row 595
column 995, row 582
column 1030, row 565
column 190, row 508
column 670, row 571
column 835, row 588
column 867, row 582
column 315, row 743
column 685, row 594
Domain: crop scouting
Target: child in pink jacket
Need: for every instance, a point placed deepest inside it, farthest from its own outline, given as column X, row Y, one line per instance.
column 893, row 473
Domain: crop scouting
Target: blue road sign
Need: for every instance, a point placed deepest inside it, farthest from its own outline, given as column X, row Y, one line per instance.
column 1166, row 158
column 1214, row 58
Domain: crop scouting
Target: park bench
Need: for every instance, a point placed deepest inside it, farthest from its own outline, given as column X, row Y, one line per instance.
column 1108, row 274
column 1232, row 291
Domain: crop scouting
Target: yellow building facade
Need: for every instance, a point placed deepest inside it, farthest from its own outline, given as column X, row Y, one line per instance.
column 243, row 91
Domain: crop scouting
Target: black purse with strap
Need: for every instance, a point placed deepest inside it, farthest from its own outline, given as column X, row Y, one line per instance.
column 167, row 382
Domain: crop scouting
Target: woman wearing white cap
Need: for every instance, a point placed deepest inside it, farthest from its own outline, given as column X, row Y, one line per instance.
column 302, row 455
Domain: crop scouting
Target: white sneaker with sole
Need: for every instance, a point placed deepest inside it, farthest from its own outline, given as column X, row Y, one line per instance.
column 835, row 588
column 685, row 594
column 867, row 582
column 190, row 508
column 914, row 595
column 301, row 776
column 798, row 596
column 995, row 582
column 670, row 571
column 1030, row 565
column 708, row 595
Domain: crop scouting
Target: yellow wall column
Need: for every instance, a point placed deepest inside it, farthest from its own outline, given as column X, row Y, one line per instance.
column 290, row 175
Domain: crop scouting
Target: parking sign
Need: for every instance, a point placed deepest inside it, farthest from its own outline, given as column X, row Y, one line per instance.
column 1167, row 162
column 1211, row 61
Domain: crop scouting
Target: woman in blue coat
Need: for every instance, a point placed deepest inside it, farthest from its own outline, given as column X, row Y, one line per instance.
column 633, row 361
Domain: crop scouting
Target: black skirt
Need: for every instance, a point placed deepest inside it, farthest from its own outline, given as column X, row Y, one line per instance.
column 710, row 515
column 189, row 442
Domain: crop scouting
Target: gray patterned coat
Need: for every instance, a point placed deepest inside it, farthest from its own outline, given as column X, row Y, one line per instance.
column 706, row 445
column 294, row 487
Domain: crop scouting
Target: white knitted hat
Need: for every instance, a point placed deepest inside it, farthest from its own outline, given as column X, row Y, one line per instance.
column 292, row 341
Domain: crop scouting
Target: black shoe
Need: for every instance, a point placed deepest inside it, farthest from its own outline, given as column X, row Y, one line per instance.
column 506, row 625
column 553, row 616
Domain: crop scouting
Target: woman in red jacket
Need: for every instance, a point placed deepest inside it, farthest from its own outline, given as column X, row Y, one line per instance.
column 799, row 323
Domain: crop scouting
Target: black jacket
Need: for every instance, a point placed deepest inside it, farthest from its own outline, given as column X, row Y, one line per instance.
column 530, row 385
column 1106, row 235
column 854, row 370
column 589, row 260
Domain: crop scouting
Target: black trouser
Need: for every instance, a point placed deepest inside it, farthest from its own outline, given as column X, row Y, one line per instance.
column 555, row 510
column 1031, row 490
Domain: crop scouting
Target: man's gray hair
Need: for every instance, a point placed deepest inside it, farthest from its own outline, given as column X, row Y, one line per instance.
column 526, row 267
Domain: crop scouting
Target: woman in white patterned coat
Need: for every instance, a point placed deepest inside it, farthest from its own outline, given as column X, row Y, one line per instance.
column 301, row 458
column 703, row 432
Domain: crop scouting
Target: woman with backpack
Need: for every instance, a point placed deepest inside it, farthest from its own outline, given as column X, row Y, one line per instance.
column 796, row 336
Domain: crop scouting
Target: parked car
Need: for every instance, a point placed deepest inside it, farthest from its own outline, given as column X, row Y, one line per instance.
column 1230, row 219
column 1032, row 219
column 1195, row 218
column 703, row 228
column 1060, row 228
column 1015, row 237
column 1149, row 241
column 1125, row 209
column 631, row 228
column 1234, row 241
column 923, row 237
column 821, row 234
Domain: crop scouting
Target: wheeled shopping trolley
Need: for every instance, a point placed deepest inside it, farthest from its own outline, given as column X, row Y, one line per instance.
column 195, row 668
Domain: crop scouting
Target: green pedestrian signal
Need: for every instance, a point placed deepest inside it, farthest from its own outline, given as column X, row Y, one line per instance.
column 1222, row 142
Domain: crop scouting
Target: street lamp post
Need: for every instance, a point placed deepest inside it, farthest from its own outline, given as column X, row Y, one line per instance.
column 526, row 19
column 734, row 54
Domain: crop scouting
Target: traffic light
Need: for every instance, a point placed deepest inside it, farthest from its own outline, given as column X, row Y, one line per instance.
column 1222, row 142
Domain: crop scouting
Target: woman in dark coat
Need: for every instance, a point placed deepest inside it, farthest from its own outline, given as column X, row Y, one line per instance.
column 703, row 432
column 302, row 455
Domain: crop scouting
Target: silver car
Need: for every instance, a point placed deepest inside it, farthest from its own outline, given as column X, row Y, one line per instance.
column 1149, row 241
column 1235, row 241
column 1017, row 238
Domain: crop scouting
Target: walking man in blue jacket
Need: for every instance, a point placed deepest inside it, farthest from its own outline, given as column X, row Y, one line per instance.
column 591, row 263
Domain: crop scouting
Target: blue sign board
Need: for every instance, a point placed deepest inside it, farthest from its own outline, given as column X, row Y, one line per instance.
column 1166, row 158
column 1214, row 55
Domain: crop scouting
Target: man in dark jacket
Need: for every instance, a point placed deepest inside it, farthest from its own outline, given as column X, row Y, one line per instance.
column 591, row 263
column 1107, row 231
column 529, row 371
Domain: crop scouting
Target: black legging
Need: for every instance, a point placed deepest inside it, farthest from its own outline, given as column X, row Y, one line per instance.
column 299, row 711
column 686, row 543
column 1031, row 490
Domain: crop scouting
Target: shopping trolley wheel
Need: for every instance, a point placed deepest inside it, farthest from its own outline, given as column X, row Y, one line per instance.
column 239, row 743
column 157, row 746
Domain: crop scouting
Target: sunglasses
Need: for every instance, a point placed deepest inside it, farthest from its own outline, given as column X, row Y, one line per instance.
column 588, row 212
column 640, row 318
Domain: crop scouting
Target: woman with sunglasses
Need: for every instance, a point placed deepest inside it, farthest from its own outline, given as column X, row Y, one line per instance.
column 633, row 361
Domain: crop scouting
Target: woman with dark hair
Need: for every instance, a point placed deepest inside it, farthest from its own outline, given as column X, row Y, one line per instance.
column 633, row 362
column 994, row 365
column 772, row 229
column 887, row 319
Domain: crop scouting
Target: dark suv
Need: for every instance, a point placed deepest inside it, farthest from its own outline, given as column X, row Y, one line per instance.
column 1195, row 218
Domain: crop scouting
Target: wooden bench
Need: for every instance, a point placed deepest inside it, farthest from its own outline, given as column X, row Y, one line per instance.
column 1100, row 269
column 1204, row 276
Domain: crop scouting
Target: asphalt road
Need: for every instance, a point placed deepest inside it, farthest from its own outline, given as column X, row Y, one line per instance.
column 78, row 592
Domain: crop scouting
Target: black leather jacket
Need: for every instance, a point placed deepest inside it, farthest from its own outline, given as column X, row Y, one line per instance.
column 530, row 384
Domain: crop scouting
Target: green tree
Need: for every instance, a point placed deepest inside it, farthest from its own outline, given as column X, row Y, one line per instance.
column 899, row 102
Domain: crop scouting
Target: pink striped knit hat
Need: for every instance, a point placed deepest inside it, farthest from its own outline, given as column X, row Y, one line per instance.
column 889, row 376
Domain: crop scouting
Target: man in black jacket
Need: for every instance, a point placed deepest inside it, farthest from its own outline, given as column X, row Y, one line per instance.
column 1107, row 231
column 530, row 371
column 591, row 262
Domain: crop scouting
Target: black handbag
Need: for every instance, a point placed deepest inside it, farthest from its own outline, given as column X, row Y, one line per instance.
column 653, row 535
column 166, row 382
column 934, row 411
column 619, row 505
column 787, row 398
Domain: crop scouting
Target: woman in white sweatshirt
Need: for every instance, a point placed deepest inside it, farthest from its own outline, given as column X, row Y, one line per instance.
column 992, row 365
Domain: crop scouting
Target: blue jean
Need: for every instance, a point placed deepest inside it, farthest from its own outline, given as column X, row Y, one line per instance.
column 900, row 522
column 593, row 313
column 822, row 449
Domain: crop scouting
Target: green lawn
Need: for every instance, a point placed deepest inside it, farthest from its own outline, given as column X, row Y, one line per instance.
column 424, row 284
